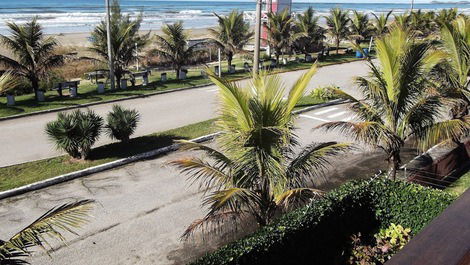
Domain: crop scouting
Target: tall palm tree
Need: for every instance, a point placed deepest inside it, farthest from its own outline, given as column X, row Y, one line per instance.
column 64, row 218
column 124, row 39
column 337, row 23
column 257, row 171
column 400, row 102
column 453, row 73
column 309, row 34
column 280, row 32
column 33, row 53
column 381, row 23
column 173, row 46
column 360, row 28
column 231, row 34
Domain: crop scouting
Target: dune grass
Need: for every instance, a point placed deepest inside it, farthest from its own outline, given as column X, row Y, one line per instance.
column 30, row 172
column 87, row 90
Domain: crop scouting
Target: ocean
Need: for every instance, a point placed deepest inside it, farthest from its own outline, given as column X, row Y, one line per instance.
column 59, row 16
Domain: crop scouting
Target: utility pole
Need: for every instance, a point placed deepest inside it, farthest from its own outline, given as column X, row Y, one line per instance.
column 220, row 63
column 259, row 4
column 110, row 48
column 412, row 5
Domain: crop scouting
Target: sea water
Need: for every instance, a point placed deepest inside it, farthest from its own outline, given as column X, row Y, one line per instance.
column 59, row 16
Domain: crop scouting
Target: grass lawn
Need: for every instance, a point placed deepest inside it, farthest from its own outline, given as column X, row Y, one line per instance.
column 460, row 185
column 30, row 172
column 87, row 90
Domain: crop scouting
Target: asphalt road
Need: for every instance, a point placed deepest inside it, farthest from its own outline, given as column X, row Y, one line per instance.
column 144, row 207
column 24, row 140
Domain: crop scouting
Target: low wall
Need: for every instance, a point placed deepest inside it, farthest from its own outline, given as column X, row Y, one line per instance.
column 439, row 166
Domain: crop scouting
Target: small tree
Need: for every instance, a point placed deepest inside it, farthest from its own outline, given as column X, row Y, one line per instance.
column 173, row 46
column 76, row 132
column 337, row 23
column 64, row 218
column 280, row 32
column 231, row 34
column 381, row 23
column 124, row 39
column 121, row 123
column 34, row 54
column 309, row 34
column 360, row 28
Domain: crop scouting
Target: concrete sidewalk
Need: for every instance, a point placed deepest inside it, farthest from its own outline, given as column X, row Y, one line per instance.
column 24, row 140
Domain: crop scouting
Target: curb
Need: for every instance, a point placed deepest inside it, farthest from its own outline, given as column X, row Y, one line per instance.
column 96, row 169
column 18, row 116
column 124, row 161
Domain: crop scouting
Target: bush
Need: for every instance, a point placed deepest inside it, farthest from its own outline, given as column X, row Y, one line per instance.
column 323, row 93
column 76, row 132
column 121, row 123
column 387, row 243
column 320, row 232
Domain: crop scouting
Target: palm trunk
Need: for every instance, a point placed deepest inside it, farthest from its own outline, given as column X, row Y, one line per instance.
column 394, row 162
column 229, row 60
column 35, row 85
column 337, row 45
column 178, row 69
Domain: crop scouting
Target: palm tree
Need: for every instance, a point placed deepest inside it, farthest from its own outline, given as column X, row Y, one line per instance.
column 256, row 173
column 446, row 15
column 400, row 102
column 337, row 23
column 453, row 73
column 232, row 34
column 124, row 39
column 173, row 46
column 33, row 52
column 360, row 28
column 280, row 33
column 64, row 218
column 309, row 34
column 381, row 23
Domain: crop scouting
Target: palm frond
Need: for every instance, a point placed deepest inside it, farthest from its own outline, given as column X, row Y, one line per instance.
column 296, row 197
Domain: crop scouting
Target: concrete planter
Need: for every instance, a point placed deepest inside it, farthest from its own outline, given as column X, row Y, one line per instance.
column 163, row 77
column 182, row 75
column 73, row 92
column 284, row 61
column 100, row 88
column 231, row 69
column 124, row 83
column 41, row 96
column 10, row 100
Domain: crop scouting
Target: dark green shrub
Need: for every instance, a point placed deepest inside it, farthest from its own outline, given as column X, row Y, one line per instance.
column 76, row 132
column 320, row 232
column 121, row 123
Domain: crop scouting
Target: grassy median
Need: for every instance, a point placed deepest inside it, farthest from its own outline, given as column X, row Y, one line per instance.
column 30, row 172
column 88, row 94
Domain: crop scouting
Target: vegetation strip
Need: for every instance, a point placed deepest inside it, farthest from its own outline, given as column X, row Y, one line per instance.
column 335, row 60
column 22, row 178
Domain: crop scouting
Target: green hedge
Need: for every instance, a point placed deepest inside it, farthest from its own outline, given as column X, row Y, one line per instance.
column 319, row 232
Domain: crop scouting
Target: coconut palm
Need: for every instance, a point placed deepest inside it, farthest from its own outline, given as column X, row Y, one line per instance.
column 64, row 218
column 231, row 34
column 280, row 32
column 257, row 172
column 337, row 23
column 173, row 46
column 360, row 28
column 125, row 38
column 381, row 23
column 453, row 73
column 400, row 102
column 422, row 23
column 309, row 34
column 446, row 15
column 33, row 53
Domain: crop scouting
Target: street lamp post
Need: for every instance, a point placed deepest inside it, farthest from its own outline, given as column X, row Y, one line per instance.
column 259, row 4
column 110, row 49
